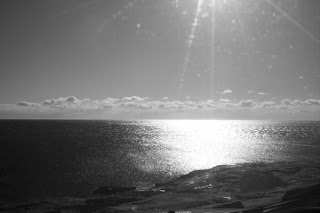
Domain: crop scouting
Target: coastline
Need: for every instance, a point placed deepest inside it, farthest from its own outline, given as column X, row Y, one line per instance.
column 228, row 187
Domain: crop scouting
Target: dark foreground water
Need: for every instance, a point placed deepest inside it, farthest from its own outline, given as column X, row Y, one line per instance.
column 43, row 159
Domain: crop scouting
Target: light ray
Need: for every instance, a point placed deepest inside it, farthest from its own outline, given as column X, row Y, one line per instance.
column 190, row 44
column 212, row 62
column 297, row 24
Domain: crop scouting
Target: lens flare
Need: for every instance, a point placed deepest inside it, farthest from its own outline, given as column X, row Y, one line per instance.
column 297, row 24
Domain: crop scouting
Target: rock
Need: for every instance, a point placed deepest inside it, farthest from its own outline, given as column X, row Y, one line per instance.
column 185, row 205
column 220, row 199
column 304, row 193
column 257, row 210
column 95, row 204
column 303, row 197
column 259, row 181
column 300, row 199
column 156, row 185
column 112, row 189
column 235, row 205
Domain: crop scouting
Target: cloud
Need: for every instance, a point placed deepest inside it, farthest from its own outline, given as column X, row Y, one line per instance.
column 286, row 102
column 107, row 107
column 200, row 106
column 311, row 102
column 250, row 92
column 129, row 104
column 174, row 105
column 26, row 104
column 49, row 102
column 297, row 102
column 71, row 99
column 268, row 104
column 228, row 91
column 61, row 101
column 133, row 98
column 135, row 107
column 308, row 102
column 109, row 100
column 190, row 103
column 263, row 93
column 225, row 100
column 247, row 103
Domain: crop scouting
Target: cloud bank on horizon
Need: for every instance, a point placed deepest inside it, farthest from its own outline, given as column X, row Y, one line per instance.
column 135, row 107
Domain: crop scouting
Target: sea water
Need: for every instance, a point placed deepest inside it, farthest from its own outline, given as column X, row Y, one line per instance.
column 59, row 158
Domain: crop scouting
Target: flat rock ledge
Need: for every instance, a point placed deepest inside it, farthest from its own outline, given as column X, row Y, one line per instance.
column 248, row 187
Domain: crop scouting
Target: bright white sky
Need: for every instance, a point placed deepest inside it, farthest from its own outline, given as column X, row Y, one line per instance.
column 128, row 59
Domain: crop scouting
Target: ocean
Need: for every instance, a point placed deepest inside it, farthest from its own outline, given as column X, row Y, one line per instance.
column 70, row 158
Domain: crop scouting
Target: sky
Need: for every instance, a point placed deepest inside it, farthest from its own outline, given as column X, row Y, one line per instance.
column 160, row 59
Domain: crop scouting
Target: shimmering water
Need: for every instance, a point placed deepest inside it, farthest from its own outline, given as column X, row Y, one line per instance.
column 70, row 158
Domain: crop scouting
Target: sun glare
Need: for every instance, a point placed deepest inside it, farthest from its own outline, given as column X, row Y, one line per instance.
column 201, row 143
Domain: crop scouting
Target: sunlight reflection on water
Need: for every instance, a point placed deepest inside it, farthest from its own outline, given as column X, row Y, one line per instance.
column 68, row 158
column 180, row 146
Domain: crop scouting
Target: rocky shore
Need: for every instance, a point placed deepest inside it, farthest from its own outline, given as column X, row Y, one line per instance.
column 249, row 187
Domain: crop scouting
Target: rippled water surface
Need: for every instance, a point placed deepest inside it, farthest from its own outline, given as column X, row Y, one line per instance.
column 71, row 158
